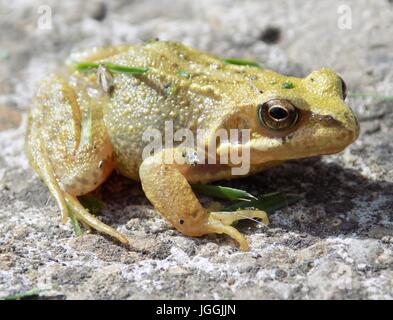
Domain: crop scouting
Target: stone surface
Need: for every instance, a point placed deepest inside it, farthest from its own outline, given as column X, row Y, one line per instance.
column 337, row 243
column 9, row 118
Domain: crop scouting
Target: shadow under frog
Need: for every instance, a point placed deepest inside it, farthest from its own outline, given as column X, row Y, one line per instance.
column 337, row 201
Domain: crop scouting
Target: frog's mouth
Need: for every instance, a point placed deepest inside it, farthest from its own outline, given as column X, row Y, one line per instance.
column 319, row 135
column 321, row 140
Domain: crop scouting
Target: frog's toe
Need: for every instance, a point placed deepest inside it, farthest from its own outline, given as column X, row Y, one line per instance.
column 220, row 222
column 230, row 217
column 89, row 220
column 220, row 228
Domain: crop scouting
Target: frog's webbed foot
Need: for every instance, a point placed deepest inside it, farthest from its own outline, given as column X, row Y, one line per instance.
column 171, row 194
column 67, row 145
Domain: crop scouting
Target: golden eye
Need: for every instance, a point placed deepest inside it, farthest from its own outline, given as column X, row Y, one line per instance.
column 278, row 114
column 344, row 89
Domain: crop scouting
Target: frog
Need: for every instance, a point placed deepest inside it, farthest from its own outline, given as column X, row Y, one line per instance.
column 85, row 124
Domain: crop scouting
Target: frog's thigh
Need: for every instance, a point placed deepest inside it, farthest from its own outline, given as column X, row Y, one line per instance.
column 171, row 194
column 66, row 159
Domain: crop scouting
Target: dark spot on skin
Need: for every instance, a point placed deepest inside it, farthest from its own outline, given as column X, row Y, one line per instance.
column 270, row 35
column 83, row 181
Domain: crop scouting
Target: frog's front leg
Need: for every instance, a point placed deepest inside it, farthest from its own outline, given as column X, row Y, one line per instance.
column 171, row 194
column 68, row 146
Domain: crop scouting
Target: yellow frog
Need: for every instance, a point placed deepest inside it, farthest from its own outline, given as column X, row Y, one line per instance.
column 85, row 123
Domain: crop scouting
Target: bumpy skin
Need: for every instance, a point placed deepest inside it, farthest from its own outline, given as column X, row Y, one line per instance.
column 78, row 134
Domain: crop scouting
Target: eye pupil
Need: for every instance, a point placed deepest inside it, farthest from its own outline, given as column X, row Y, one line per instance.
column 278, row 113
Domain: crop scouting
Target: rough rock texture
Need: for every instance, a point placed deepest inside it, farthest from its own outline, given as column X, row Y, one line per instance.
column 337, row 243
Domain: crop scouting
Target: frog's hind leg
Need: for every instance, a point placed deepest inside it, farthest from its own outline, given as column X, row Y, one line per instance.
column 67, row 145
column 171, row 194
column 38, row 158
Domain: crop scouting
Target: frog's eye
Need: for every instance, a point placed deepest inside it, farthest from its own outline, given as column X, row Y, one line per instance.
column 278, row 114
column 344, row 88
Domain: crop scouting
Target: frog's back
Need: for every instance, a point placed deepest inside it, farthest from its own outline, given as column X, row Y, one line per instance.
column 183, row 87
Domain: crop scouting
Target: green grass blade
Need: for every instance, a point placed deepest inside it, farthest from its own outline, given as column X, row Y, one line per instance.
column 268, row 202
column 241, row 62
column 31, row 294
column 223, row 192
column 118, row 68
column 83, row 66
column 74, row 222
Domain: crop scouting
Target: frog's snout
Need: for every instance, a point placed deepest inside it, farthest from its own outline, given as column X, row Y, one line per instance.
column 350, row 123
column 353, row 124
column 336, row 133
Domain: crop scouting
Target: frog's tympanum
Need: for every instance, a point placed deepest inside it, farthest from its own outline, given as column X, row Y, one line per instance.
column 86, row 123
